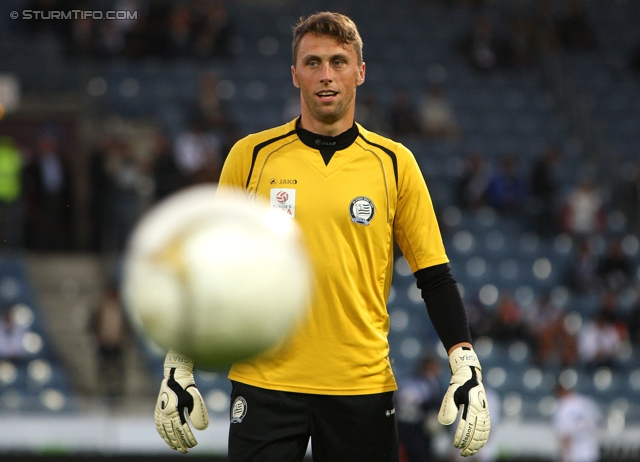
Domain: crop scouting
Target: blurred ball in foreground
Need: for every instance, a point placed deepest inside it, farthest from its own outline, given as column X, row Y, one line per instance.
column 216, row 276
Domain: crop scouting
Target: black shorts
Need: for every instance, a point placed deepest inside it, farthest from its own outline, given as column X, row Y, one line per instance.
column 275, row 426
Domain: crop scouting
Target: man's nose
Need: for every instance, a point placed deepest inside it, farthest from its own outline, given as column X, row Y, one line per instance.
column 327, row 73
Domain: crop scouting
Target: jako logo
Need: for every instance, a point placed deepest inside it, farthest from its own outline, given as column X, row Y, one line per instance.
column 325, row 143
column 282, row 196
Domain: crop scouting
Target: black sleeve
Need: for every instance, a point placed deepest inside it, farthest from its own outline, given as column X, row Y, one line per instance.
column 444, row 304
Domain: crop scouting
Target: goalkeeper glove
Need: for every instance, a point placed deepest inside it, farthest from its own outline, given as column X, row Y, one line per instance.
column 466, row 396
column 179, row 395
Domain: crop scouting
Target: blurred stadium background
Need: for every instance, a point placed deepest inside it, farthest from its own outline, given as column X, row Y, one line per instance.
column 101, row 118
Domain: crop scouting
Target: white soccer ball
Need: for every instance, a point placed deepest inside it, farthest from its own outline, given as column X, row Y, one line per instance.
column 218, row 277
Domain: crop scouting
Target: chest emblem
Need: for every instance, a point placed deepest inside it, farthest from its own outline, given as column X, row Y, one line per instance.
column 361, row 210
column 284, row 199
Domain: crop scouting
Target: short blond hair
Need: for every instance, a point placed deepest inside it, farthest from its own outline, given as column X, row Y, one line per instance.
column 336, row 25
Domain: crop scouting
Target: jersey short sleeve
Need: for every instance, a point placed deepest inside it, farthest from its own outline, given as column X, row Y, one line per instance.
column 416, row 228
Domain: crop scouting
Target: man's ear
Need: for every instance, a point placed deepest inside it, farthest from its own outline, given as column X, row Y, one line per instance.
column 294, row 77
column 361, row 74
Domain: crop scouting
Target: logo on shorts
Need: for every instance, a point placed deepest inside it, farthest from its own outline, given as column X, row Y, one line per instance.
column 238, row 410
column 361, row 210
column 390, row 412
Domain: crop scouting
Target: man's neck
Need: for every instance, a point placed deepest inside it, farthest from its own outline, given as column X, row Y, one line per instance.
column 326, row 129
column 327, row 145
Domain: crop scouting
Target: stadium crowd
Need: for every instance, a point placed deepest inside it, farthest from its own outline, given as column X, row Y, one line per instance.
column 197, row 29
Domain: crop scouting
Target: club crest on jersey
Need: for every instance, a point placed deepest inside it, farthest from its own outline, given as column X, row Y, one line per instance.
column 361, row 210
column 238, row 410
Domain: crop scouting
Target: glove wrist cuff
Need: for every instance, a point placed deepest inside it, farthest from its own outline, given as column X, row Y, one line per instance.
column 179, row 361
column 461, row 357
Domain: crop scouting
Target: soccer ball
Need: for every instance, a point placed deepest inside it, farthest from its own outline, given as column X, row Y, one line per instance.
column 215, row 275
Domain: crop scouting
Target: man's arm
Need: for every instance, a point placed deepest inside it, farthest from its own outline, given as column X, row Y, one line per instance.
column 466, row 395
column 444, row 304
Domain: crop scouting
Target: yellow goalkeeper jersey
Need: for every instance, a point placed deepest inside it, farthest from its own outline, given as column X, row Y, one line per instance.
column 351, row 195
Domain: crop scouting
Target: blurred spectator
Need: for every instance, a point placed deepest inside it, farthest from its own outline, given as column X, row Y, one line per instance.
column 418, row 400
column 369, row 114
column 128, row 24
column 634, row 319
column 198, row 154
column 403, row 115
column 545, row 324
column 576, row 421
column 544, row 18
column 483, row 49
column 610, row 309
column 47, row 186
column 211, row 28
column 11, row 337
column 110, row 334
column 480, row 318
column 598, row 341
column 507, row 189
column 631, row 196
column 110, row 41
column 210, row 114
column 583, row 211
column 473, row 185
column 167, row 177
column 137, row 39
column 180, row 34
column 156, row 28
column 81, row 36
column 615, row 269
column 39, row 25
column 523, row 39
column 195, row 28
column 543, row 192
column 11, row 204
column 129, row 186
column 581, row 276
column 573, row 28
column 100, row 192
column 508, row 322
column 437, row 117
column 210, row 108
column 213, row 114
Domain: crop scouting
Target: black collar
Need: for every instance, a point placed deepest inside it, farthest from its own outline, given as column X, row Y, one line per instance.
column 327, row 145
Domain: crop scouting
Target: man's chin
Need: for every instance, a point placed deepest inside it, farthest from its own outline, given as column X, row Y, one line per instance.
column 328, row 117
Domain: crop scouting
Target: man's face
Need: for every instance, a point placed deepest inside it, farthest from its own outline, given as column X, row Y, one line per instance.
column 327, row 74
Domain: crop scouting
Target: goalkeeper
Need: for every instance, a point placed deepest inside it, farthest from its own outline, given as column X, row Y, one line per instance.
column 353, row 193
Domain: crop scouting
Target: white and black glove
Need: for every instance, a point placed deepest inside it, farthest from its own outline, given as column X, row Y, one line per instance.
column 179, row 396
column 466, row 396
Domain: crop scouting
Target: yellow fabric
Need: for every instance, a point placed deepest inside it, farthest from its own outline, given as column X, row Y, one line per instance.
column 341, row 347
